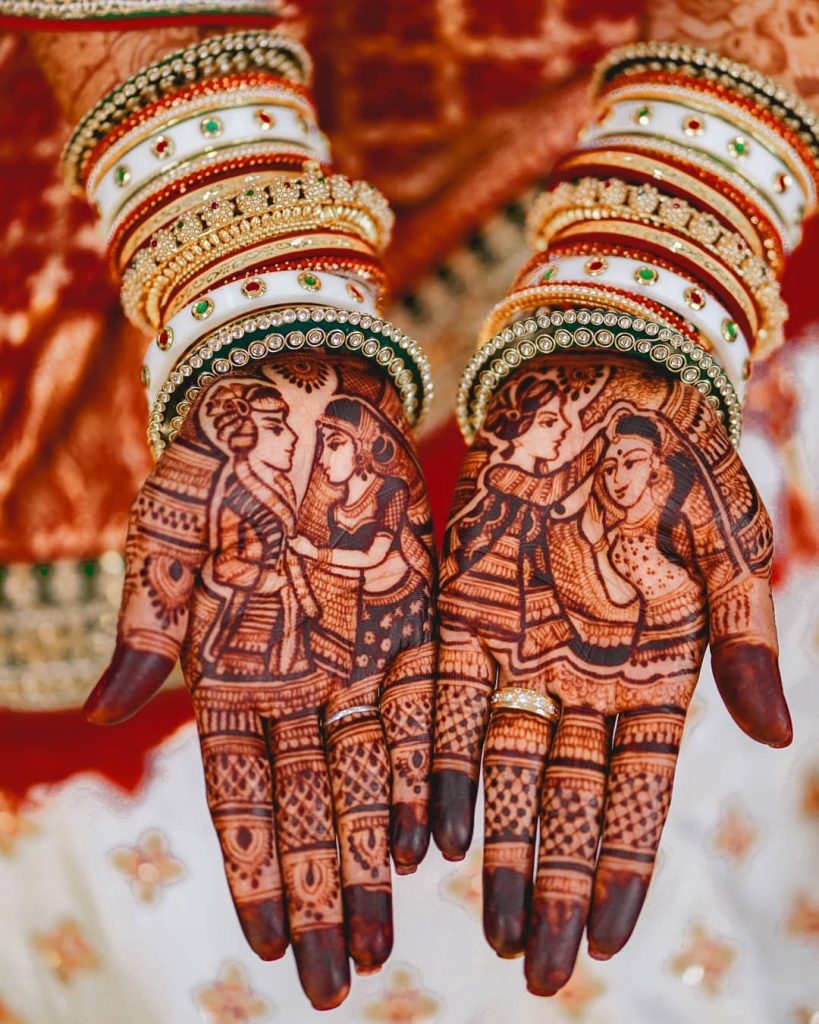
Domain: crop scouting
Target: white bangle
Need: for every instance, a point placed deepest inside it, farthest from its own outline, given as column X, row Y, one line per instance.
column 271, row 96
column 690, row 301
column 277, row 288
column 195, row 137
column 720, row 141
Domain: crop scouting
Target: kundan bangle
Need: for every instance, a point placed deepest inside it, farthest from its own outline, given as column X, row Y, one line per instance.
column 637, row 58
column 759, row 310
column 594, row 331
column 247, row 340
column 214, row 57
column 162, row 153
column 690, row 301
column 751, row 156
column 709, row 194
column 240, row 298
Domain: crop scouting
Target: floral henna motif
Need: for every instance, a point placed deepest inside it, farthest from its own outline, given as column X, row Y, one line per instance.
column 283, row 546
column 603, row 533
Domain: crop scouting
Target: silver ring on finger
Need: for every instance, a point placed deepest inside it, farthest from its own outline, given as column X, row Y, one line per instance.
column 356, row 709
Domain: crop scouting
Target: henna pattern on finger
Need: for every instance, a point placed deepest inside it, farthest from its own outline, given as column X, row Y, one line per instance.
column 284, row 545
column 603, row 532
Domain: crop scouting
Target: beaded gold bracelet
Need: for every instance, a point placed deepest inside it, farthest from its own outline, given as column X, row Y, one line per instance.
column 595, row 331
column 710, row 193
column 614, row 199
column 222, row 227
column 215, row 57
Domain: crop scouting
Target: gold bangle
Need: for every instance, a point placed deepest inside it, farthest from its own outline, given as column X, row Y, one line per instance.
column 614, row 199
column 518, row 698
column 751, row 226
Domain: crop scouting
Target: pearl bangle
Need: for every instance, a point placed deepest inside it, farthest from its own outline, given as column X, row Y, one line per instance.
column 278, row 288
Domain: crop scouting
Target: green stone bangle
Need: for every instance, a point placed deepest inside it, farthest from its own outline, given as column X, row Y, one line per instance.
column 701, row 63
column 592, row 330
column 250, row 339
column 221, row 55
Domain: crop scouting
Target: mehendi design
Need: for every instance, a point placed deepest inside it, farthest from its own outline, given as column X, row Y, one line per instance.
column 283, row 544
column 603, row 533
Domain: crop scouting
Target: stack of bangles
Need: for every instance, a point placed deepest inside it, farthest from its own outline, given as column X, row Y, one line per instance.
column 665, row 233
column 230, row 235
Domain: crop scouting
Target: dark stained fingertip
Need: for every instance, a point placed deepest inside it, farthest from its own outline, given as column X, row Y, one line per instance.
column 369, row 926
column 324, row 970
column 505, row 901
column 409, row 838
column 555, row 931
column 453, row 812
column 126, row 686
column 264, row 926
column 616, row 905
column 748, row 679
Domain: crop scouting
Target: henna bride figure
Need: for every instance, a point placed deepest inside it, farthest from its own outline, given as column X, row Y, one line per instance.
column 370, row 543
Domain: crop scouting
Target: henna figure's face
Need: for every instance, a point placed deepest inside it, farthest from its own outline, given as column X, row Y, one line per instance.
column 276, row 440
column 543, row 439
column 627, row 468
column 337, row 455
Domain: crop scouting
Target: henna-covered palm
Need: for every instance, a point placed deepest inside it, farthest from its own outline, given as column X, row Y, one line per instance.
column 603, row 533
column 283, row 543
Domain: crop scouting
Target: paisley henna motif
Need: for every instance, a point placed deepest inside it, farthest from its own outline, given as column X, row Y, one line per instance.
column 283, row 545
column 604, row 532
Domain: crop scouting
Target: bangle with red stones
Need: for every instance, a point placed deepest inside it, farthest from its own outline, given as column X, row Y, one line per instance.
column 719, row 141
column 127, row 235
column 279, row 89
column 163, row 138
column 760, row 311
column 710, row 193
column 158, row 155
column 673, row 293
column 681, row 58
column 369, row 271
column 212, row 58
column 707, row 88
column 226, row 302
